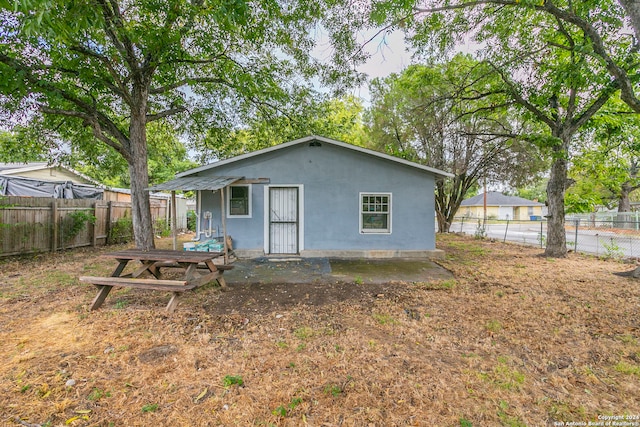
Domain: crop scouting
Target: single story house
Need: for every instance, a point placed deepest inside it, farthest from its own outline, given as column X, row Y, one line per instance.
column 316, row 197
column 500, row 206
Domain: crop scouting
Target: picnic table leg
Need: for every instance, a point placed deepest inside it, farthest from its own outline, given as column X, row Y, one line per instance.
column 222, row 282
column 102, row 295
column 118, row 271
column 212, row 267
column 173, row 302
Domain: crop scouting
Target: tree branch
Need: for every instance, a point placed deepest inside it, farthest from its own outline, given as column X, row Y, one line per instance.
column 89, row 121
column 520, row 99
column 625, row 84
column 119, row 87
column 604, row 96
column 166, row 113
column 184, row 82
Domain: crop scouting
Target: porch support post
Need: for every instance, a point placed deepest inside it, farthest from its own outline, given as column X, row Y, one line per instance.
column 174, row 232
column 224, row 226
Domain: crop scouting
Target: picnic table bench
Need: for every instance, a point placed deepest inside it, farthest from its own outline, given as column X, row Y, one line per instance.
column 199, row 269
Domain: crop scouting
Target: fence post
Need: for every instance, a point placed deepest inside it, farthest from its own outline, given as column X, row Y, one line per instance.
column 108, row 223
column 94, row 240
column 54, row 225
column 505, row 232
column 575, row 242
column 461, row 224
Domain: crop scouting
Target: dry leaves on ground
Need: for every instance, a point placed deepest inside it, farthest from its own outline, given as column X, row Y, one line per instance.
column 514, row 339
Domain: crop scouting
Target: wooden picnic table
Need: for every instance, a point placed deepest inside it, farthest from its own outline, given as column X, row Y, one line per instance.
column 199, row 268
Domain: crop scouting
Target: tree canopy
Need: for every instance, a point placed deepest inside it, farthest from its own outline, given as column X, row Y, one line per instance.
column 436, row 116
column 337, row 118
column 552, row 64
column 114, row 66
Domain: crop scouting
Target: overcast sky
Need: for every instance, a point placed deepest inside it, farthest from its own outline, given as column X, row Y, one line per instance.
column 388, row 55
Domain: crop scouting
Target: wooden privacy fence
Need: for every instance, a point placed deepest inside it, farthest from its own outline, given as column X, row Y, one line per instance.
column 42, row 224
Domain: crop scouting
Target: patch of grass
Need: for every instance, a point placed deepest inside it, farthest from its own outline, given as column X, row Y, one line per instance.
column 628, row 368
column 465, row 423
column 506, row 419
column 358, row 280
column 59, row 278
column 627, row 339
column 503, row 376
column 437, row 285
column 333, row 389
column 283, row 410
column 563, row 411
column 303, row 333
column 282, row 344
column 472, row 248
column 151, row 407
column 120, row 304
column 384, row 319
column 493, row 326
column 230, row 380
column 97, row 394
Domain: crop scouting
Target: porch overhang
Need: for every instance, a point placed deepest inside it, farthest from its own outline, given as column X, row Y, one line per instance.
column 195, row 183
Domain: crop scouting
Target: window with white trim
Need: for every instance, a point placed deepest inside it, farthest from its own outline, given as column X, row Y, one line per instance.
column 239, row 201
column 375, row 212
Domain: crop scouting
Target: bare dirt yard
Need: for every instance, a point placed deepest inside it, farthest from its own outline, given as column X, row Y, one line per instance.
column 512, row 339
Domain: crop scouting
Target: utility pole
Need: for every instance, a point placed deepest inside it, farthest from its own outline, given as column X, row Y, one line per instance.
column 484, row 218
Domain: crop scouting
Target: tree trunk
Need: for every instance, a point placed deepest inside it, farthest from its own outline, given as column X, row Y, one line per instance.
column 444, row 221
column 556, row 235
column 443, row 225
column 139, row 172
column 624, row 202
column 632, row 8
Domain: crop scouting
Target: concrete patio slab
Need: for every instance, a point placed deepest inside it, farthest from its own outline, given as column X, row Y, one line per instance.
column 316, row 270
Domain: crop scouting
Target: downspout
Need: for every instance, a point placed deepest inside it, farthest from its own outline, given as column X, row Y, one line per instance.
column 198, row 214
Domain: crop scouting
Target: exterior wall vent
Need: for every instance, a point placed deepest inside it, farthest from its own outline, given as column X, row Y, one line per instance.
column 315, row 144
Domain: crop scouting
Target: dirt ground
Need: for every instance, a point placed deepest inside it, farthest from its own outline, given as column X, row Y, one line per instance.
column 510, row 338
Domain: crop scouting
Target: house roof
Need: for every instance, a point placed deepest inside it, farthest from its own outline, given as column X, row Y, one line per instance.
column 495, row 198
column 322, row 140
column 17, row 169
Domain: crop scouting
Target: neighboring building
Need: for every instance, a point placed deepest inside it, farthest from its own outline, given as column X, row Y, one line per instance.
column 316, row 197
column 43, row 180
column 43, row 171
column 500, row 206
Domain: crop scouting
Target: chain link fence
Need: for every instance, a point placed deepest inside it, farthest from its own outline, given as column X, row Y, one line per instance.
column 611, row 236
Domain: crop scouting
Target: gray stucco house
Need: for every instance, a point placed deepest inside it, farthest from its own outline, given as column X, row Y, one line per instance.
column 316, row 197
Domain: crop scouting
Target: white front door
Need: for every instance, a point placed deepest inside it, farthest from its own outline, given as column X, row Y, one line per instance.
column 283, row 220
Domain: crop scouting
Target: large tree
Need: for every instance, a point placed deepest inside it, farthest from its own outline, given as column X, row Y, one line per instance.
column 337, row 118
column 116, row 65
column 548, row 61
column 439, row 116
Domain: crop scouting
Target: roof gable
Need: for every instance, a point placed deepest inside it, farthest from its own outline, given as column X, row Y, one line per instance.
column 321, row 140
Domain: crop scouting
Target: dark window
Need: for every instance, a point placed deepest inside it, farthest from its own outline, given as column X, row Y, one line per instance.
column 239, row 200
